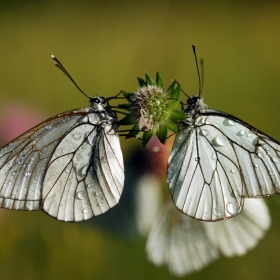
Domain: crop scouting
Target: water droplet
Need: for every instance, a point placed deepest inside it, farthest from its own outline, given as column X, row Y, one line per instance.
column 89, row 186
column 97, row 193
column 205, row 132
column 48, row 127
column 243, row 132
column 275, row 160
column 19, row 162
column 232, row 208
column 232, row 171
column 219, row 140
column 11, row 145
column 76, row 135
column 99, row 204
column 214, row 156
column 260, row 155
column 179, row 139
column 86, row 210
column 32, row 158
column 230, row 122
column 68, row 169
column 256, row 165
column 27, row 174
column 197, row 159
column 208, row 121
column 81, row 195
column 84, row 171
column 15, row 173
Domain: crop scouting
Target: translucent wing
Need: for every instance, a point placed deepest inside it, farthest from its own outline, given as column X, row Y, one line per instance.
column 179, row 242
column 217, row 161
column 187, row 245
column 236, row 236
column 70, row 166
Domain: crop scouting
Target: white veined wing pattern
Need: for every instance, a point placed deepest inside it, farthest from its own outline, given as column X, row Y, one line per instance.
column 70, row 166
column 186, row 245
column 217, row 160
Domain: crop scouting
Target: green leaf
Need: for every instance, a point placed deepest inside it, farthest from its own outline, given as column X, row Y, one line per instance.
column 133, row 132
column 149, row 81
column 141, row 82
column 162, row 134
column 146, row 137
column 159, row 81
column 176, row 92
column 129, row 96
column 124, row 106
column 176, row 115
column 173, row 103
column 170, row 125
column 171, row 88
column 128, row 120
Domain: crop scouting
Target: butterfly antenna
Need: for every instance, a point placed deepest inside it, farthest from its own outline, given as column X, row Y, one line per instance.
column 60, row 66
column 202, row 73
column 198, row 73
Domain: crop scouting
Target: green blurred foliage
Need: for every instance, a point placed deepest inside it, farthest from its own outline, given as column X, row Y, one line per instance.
column 105, row 45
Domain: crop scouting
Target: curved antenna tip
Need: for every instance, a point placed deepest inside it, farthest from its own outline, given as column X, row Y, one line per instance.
column 52, row 56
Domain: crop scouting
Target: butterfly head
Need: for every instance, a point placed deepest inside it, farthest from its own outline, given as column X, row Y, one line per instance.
column 195, row 102
column 192, row 101
column 97, row 100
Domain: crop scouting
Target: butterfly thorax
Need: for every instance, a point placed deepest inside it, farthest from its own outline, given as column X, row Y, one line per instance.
column 106, row 115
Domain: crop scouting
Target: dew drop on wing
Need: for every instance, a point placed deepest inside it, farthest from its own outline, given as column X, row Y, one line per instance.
column 86, row 210
column 204, row 132
column 81, row 195
column 232, row 208
column 219, row 141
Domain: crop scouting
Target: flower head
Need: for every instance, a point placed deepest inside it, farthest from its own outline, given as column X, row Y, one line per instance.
column 152, row 109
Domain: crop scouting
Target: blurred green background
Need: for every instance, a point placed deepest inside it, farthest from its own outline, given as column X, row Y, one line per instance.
column 105, row 45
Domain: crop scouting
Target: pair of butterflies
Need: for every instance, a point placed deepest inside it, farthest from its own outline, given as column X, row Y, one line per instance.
column 71, row 165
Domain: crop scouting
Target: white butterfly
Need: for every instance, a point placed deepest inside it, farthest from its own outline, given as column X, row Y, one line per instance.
column 217, row 160
column 70, row 166
column 186, row 245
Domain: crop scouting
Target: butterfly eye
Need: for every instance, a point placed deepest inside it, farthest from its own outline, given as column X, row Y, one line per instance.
column 193, row 100
column 98, row 100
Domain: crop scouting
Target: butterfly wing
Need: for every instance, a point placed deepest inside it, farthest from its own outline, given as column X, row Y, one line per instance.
column 179, row 242
column 217, row 162
column 236, row 236
column 41, row 168
column 87, row 180
column 186, row 245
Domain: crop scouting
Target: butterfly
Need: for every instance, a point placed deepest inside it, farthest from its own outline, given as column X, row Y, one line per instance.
column 217, row 160
column 186, row 245
column 70, row 166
